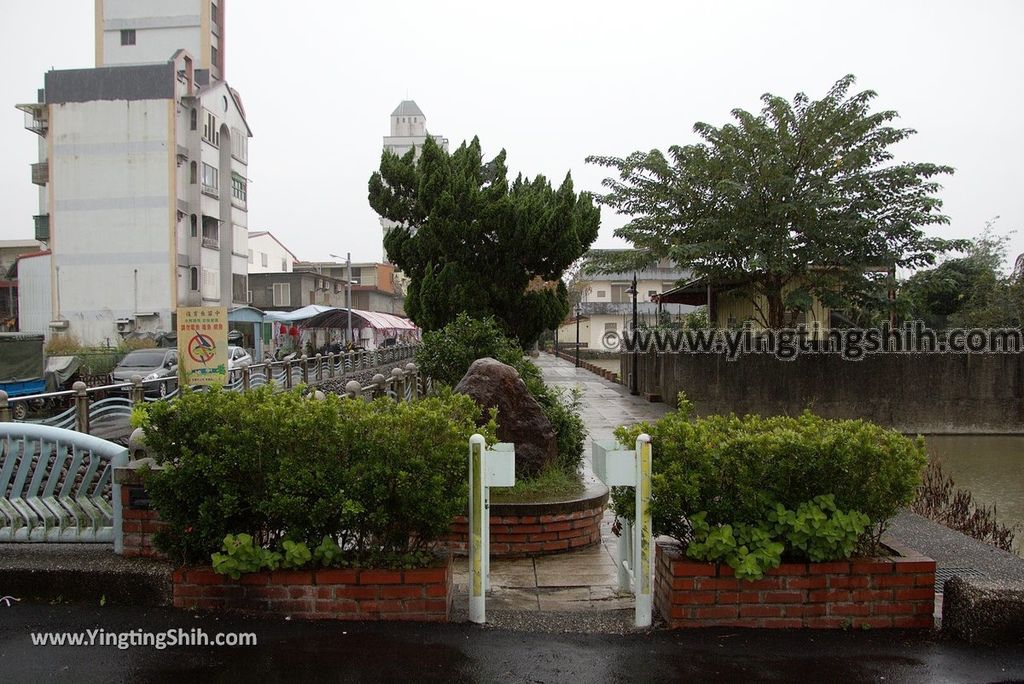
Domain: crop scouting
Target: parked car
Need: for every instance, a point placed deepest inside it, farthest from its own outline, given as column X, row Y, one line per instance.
column 152, row 365
column 238, row 360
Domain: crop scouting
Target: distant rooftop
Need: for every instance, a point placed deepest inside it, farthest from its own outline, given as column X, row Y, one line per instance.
column 407, row 108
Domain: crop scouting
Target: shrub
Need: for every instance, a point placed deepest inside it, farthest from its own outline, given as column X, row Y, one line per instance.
column 63, row 344
column 446, row 354
column 378, row 479
column 738, row 470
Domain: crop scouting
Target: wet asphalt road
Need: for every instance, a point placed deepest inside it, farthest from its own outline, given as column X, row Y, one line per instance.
column 395, row 652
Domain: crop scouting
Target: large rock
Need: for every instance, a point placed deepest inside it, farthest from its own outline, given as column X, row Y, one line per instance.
column 521, row 420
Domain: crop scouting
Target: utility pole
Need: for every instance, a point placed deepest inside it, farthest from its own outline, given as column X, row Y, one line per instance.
column 632, row 376
column 348, row 277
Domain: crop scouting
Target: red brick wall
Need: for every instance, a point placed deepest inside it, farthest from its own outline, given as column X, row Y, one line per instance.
column 336, row 594
column 139, row 524
column 533, row 535
column 876, row 592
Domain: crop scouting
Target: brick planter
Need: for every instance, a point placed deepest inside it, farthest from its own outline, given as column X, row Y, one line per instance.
column 140, row 522
column 336, row 594
column 538, row 529
column 896, row 591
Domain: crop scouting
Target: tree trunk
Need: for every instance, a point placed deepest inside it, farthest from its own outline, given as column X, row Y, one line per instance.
column 776, row 312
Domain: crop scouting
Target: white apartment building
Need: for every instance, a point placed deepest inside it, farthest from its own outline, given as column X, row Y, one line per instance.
column 143, row 173
column 607, row 306
column 408, row 132
column 267, row 254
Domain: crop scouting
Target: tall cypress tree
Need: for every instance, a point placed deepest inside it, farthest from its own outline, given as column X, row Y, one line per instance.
column 471, row 241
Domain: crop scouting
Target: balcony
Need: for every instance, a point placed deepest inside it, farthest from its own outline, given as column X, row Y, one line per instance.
column 42, row 222
column 211, row 242
column 41, row 173
column 210, row 190
column 36, row 117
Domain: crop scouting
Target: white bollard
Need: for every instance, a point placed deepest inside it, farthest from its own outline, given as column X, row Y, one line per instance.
column 478, row 522
column 642, row 536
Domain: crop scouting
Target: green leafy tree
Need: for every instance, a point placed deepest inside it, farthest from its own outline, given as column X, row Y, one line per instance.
column 802, row 200
column 471, row 241
column 971, row 291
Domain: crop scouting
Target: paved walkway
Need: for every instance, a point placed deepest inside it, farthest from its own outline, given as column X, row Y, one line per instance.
column 583, row 580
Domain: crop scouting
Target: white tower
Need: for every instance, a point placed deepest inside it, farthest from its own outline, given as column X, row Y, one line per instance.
column 408, row 132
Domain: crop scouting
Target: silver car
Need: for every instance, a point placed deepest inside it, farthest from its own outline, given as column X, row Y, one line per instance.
column 152, row 365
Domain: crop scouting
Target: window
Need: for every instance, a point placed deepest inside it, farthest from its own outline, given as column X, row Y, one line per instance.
column 284, row 264
column 193, row 120
column 601, row 294
column 651, row 293
column 211, row 133
column 250, row 256
column 263, row 259
column 239, row 188
column 239, row 287
column 214, row 16
column 192, row 173
column 282, row 294
column 609, row 327
column 127, row 36
column 211, row 182
column 194, row 278
column 195, row 227
column 211, row 232
column 239, row 145
column 211, row 284
column 214, row 57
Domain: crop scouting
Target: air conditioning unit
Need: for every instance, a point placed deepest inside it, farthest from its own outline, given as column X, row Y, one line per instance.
column 125, row 325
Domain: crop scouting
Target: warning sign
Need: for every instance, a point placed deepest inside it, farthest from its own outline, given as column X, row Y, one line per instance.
column 203, row 345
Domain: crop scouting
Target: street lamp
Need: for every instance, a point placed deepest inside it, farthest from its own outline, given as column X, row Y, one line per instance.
column 579, row 310
column 632, row 291
column 348, row 294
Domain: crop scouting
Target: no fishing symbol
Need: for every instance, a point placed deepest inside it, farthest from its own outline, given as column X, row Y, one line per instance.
column 201, row 348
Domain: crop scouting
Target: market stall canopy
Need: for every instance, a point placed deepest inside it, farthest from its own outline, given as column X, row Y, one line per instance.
column 338, row 318
column 299, row 314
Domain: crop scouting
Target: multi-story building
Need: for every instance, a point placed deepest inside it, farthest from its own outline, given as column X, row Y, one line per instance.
column 375, row 287
column 267, row 254
column 606, row 305
column 408, row 132
column 143, row 173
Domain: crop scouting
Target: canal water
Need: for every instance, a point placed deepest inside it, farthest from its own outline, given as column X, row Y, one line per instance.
column 991, row 468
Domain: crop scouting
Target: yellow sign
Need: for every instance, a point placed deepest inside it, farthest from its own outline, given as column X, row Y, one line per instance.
column 203, row 345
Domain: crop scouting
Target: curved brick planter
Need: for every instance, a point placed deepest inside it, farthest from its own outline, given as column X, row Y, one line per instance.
column 895, row 591
column 347, row 594
column 538, row 529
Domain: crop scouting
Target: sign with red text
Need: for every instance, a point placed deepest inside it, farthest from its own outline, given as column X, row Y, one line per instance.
column 203, row 345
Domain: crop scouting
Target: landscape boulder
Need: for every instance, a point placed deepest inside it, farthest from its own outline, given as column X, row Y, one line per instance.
column 521, row 419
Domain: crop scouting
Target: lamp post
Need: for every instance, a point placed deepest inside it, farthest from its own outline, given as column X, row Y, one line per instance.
column 632, row 376
column 348, row 294
column 579, row 310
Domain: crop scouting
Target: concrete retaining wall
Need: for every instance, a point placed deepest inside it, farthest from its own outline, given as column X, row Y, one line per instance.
column 914, row 393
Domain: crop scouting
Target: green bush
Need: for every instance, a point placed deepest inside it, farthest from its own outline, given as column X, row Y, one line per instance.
column 739, row 470
column 377, row 479
column 446, row 354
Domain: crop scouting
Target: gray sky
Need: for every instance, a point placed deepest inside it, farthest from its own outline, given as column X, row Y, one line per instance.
column 552, row 82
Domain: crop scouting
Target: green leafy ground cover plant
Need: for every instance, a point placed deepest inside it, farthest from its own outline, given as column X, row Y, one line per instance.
column 380, row 480
column 822, row 489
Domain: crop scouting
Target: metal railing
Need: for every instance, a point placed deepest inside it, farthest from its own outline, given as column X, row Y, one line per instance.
column 105, row 411
column 57, row 486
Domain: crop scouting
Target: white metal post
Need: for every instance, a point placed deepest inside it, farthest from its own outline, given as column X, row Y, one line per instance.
column 642, row 539
column 477, row 524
